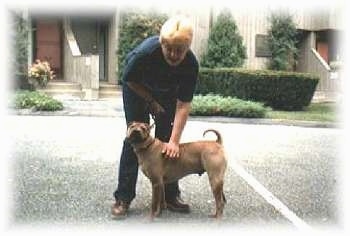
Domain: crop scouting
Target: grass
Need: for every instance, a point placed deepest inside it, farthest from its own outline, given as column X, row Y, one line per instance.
column 324, row 112
column 24, row 99
column 215, row 105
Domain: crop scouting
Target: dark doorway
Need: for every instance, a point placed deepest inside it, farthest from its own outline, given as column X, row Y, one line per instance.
column 91, row 34
column 48, row 43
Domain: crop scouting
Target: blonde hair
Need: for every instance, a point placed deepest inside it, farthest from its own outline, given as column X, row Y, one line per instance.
column 177, row 30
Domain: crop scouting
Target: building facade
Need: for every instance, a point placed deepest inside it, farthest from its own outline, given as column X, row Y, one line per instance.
column 82, row 48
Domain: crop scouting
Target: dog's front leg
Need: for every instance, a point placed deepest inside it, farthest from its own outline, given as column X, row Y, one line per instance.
column 157, row 197
column 163, row 202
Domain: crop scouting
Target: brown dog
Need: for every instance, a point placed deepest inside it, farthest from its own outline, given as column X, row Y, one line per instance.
column 195, row 157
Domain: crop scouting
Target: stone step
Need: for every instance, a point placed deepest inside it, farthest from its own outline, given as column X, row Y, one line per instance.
column 107, row 90
column 60, row 88
column 63, row 93
column 71, row 90
column 110, row 94
column 62, row 85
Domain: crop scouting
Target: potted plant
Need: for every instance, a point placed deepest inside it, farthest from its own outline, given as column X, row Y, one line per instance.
column 40, row 73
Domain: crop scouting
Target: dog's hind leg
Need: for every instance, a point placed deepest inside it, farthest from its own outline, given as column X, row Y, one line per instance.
column 217, row 189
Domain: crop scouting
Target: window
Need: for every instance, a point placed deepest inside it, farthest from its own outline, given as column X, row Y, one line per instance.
column 261, row 46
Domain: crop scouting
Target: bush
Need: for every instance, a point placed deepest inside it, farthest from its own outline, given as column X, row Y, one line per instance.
column 135, row 27
column 225, row 47
column 216, row 105
column 19, row 45
column 282, row 41
column 278, row 89
column 36, row 100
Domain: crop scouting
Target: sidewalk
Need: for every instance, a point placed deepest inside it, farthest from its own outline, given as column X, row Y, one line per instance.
column 114, row 108
column 76, row 107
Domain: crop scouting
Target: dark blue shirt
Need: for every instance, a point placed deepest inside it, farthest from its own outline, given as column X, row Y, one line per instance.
column 146, row 65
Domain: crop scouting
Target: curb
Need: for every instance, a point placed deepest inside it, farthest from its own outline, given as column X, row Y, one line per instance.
column 254, row 121
column 216, row 119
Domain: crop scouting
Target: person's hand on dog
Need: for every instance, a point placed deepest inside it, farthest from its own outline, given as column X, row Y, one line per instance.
column 171, row 150
column 155, row 108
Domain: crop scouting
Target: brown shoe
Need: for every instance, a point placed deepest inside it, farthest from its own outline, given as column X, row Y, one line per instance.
column 120, row 208
column 177, row 205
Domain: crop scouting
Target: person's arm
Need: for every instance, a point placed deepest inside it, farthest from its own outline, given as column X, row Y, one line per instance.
column 142, row 91
column 171, row 149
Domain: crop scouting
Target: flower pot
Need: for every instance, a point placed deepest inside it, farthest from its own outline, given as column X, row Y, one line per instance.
column 37, row 83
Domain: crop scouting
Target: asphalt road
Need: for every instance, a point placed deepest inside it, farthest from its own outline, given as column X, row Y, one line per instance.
column 63, row 171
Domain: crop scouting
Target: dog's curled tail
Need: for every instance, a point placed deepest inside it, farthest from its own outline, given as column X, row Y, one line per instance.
column 218, row 135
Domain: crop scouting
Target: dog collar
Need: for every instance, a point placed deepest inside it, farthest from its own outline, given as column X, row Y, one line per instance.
column 146, row 145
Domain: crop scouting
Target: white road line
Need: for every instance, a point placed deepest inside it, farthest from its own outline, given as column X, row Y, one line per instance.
column 269, row 197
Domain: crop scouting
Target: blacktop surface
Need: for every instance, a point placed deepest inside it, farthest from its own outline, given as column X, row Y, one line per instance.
column 282, row 175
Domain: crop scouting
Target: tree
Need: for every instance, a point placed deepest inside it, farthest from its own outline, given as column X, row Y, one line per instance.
column 282, row 41
column 225, row 46
column 135, row 27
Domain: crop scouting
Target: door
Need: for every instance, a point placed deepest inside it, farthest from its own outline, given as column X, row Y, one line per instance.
column 322, row 49
column 48, row 43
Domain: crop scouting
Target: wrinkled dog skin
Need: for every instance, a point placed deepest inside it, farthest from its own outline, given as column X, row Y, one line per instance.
column 195, row 158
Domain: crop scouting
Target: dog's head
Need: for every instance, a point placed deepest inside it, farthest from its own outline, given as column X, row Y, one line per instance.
column 138, row 132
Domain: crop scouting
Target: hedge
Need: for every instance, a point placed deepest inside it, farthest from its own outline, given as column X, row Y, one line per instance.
column 278, row 89
column 216, row 105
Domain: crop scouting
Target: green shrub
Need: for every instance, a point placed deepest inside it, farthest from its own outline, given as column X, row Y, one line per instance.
column 282, row 41
column 36, row 100
column 19, row 46
column 277, row 89
column 216, row 105
column 225, row 45
column 135, row 27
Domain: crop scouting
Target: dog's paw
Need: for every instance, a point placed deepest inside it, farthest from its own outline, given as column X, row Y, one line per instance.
column 215, row 216
column 153, row 215
column 163, row 206
column 150, row 218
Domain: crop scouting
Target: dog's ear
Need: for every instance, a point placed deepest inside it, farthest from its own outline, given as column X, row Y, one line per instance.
column 151, row 126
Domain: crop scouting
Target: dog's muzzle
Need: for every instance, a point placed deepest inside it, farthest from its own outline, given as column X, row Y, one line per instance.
column 135, row 136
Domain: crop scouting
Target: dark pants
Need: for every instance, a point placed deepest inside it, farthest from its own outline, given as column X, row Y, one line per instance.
column 136, row 110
